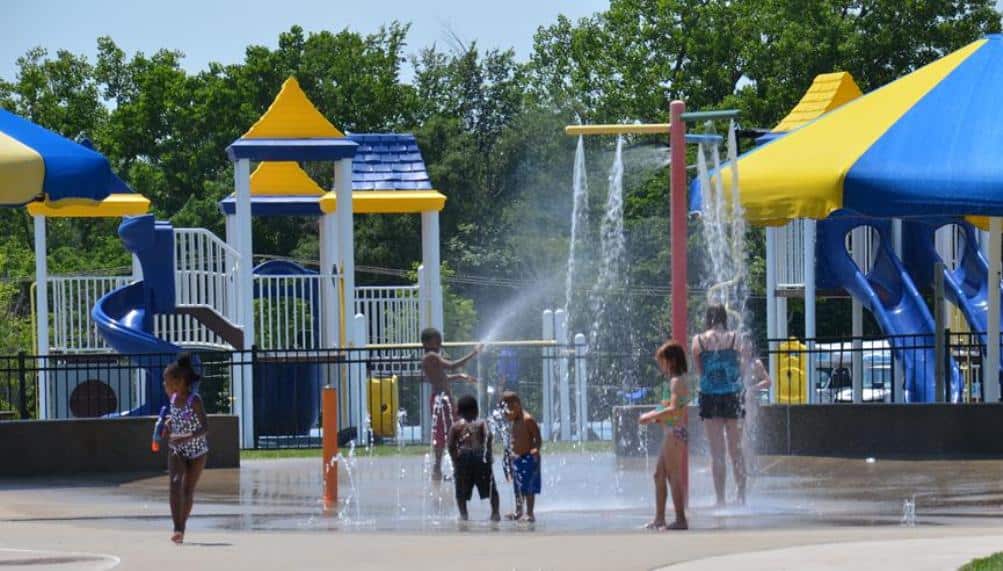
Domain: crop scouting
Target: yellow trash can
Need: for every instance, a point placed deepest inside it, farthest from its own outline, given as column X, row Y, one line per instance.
column 384, row 401
column 792, row 387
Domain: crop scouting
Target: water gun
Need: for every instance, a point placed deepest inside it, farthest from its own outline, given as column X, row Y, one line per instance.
column 158, row 429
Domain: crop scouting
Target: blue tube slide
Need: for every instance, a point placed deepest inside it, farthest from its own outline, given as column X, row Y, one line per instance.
column 967, row 286
column 888, row 292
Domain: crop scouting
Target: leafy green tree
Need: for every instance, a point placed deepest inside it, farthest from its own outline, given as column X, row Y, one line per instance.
column 489, row 127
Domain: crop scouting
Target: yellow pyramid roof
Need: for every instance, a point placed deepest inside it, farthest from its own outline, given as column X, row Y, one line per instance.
column 283, row 179
column 292, row 116
column 827, row 92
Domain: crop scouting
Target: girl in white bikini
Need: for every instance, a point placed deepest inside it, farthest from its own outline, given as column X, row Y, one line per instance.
column 187, row 429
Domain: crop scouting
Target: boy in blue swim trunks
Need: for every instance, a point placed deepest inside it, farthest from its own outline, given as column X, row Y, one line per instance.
column 524, row 467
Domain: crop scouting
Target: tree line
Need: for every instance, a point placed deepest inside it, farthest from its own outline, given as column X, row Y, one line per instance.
column 490, row 127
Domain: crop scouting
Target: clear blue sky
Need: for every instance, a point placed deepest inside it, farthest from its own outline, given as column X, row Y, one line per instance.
column 219, row 30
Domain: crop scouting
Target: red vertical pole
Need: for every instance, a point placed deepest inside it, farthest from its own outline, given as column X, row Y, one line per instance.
column 677, row 209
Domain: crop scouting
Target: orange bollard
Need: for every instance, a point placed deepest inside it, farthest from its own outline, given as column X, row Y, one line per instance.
column 329, row 410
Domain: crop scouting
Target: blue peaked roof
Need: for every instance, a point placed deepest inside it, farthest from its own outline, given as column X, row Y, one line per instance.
column 388, row 162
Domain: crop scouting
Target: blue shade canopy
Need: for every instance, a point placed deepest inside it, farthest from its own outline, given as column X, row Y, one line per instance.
column 37, row 164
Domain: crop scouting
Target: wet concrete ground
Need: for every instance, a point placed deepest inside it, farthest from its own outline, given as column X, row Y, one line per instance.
column 583, row 493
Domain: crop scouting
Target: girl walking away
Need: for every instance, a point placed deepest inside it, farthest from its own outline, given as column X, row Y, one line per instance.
column 724, row 362
column 187, row 429
column 671, row 359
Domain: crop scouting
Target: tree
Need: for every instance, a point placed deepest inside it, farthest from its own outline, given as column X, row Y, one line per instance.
column 489, row 127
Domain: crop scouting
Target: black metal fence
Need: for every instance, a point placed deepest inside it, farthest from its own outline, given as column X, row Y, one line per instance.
column 381, row 393
column 892, row 369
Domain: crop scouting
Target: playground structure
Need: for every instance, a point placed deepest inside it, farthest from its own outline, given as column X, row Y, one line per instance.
column 190, row 289
column 281, row 329
column 855, row 204
column 217, row 299
column 864, row 258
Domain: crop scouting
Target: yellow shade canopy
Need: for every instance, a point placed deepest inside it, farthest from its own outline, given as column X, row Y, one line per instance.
column 114, row 206
column 832, row 162
column 388, row 201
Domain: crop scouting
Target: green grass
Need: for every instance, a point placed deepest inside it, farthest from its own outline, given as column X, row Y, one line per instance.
column 992, row 563
column 413, row 450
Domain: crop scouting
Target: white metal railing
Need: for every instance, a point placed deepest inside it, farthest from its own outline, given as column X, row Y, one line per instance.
column 186, row 331
column 392, row 318
column 71, row 299
column 287, row 308
column 862, row 243
column 790, row 255
column 205, row 269
column 287, row 311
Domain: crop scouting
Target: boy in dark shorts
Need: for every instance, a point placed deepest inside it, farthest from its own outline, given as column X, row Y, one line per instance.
column 525, row 464
column 469, row 444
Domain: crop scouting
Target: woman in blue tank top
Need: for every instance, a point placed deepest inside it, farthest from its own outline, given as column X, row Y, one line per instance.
column 723, row 361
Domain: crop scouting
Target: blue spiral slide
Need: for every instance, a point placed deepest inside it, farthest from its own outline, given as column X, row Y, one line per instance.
column 286, row 389
column 124, row 316
column 890, row 294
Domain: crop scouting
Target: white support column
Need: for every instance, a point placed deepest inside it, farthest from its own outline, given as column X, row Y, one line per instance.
column 897, row 237
column 857, row 331
column 42, row 314
column 357, row 377
column 564, row 390
column 782, row 315
column 432, row 262
column 771, row 305
column 992, row 365
column 425, row 390
column 482, row 385
column 861, row 250
column 137, row 269
column 809, row 307
column 243, row 388
column 139, row 376
column 546, row 431
column 581, row 388
column 898, row 373
column 232, row 307
column 329, row 316
column 944, row 243
column 346, row 239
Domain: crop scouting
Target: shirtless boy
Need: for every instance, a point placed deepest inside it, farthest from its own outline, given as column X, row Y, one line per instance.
column 469, row 445
column 525, row 464
column 436, row 371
